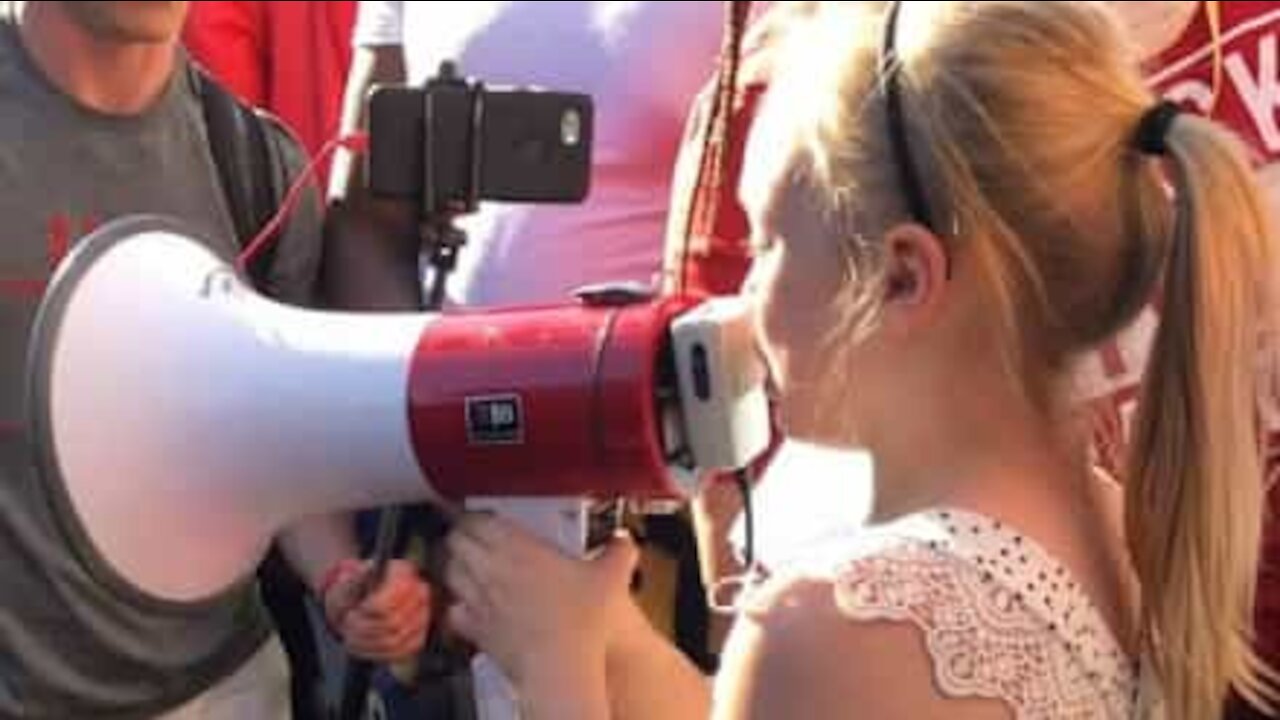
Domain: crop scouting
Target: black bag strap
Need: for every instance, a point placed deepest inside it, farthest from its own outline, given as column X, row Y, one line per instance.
column 248, row 163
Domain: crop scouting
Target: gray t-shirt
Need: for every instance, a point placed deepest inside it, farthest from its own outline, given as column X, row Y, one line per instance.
column 73, row 645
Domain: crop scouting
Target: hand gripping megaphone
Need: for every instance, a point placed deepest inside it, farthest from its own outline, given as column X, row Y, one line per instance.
column 181, row 419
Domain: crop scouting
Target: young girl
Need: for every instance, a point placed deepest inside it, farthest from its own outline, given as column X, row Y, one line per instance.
column 953, row 201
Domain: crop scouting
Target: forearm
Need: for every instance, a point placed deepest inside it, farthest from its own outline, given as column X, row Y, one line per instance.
column 644, row 677
column 369, row 66
column 370, row 260
column 312, row 546
column 371, row 245
column 648, row 677
column 574, row 692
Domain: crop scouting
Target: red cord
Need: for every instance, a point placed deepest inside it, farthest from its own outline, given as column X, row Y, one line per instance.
column 356, row 143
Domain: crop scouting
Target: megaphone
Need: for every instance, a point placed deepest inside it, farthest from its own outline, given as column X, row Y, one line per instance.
column 181, row 419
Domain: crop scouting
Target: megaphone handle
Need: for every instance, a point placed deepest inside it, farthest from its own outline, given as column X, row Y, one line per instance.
column 384, row 546
column 359, row 676
column 443, row 240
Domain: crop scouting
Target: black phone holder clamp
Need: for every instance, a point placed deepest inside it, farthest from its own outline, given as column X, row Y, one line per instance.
column 442, row 239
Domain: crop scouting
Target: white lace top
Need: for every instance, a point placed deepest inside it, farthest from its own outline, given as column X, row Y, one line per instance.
column 1000, row 617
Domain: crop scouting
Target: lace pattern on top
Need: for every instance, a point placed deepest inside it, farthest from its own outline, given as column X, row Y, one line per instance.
column 1001, row 619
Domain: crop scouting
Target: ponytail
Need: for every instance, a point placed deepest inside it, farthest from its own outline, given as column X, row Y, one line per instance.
column 1194, row 492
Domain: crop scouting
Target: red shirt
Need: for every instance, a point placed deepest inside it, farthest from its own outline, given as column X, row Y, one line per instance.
column 290, row 58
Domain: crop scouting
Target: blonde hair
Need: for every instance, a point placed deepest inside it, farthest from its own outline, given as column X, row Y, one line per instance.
column 1021, row 118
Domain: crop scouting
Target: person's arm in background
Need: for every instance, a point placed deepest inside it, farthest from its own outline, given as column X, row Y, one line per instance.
column 369, row 66
column 229, row 40
column 377, row 57
column 372, row 246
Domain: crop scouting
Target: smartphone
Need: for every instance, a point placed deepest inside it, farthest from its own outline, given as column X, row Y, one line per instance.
column 453, row 143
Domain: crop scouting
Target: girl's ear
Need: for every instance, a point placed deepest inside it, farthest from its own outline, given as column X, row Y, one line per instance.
column 916, row 275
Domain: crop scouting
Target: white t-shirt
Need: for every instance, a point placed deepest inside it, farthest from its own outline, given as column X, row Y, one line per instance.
column 642, row 62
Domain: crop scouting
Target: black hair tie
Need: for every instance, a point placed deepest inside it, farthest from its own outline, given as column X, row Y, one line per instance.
column 1153, row 130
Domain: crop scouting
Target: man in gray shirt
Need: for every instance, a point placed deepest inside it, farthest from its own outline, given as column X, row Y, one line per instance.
column 98, row 119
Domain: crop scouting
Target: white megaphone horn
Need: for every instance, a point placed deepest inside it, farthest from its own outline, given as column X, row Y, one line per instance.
column 181, row 420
